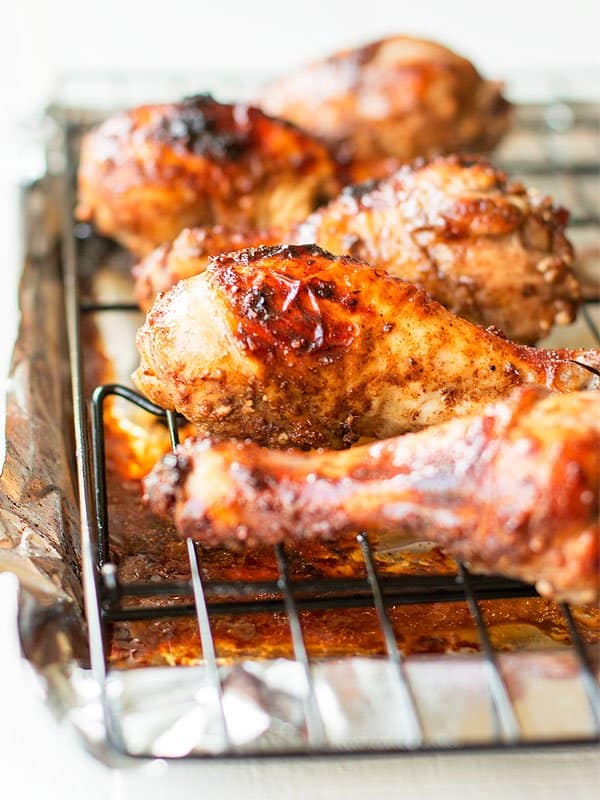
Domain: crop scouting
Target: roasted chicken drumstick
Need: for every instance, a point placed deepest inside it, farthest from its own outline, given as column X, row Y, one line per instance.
column 488, row 250
column 148, row 173
column 512, row 491
column 392, row 100
column 293, row 346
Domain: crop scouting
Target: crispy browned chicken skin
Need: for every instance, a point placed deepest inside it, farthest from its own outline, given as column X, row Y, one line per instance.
column 487, row 249
column 291, row 345
column 148, row 173
column 392, row 100
column 513, row 491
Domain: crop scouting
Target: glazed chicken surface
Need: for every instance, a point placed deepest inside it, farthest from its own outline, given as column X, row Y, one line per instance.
column 511, row 491
column 390, row 101
column 291, row 345
column 148, row 173
column 489, row 250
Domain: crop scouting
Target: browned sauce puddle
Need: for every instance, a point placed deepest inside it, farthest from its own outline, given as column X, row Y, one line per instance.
column 147, row 548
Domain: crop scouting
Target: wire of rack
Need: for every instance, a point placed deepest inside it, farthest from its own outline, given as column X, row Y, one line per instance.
column 104, row 592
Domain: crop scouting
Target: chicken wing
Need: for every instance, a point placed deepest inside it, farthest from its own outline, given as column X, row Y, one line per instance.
column 488, row 250
column 513, row 491
column 148, row 173
column 291, row 345
column 392, row 100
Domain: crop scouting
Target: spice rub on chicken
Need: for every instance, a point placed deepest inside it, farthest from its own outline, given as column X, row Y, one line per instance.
column 291, row 345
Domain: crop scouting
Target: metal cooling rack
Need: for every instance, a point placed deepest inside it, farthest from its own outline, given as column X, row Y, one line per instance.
column 104, row 594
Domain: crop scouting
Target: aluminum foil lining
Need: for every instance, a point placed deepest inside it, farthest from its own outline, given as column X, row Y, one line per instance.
column 38, row 510
column 170, row 712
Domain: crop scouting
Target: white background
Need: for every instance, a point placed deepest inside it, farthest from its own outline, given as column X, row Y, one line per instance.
column 41, row 38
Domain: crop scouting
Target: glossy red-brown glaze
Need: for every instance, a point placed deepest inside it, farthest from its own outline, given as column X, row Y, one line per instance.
column 150, row 172
column 513, row 491
column 289, row 306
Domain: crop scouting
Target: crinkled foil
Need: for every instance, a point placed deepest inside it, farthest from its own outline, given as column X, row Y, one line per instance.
column 169, row 712
column 173, row 711
column 38, row 510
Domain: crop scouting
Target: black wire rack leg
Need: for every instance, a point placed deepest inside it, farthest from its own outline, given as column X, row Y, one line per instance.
column 99, row 396
column 415, row 734
column 590, row 684
column 314, row 722
column 206, row 638
column 90, row 574
column 506, row 725
column 207, row 641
